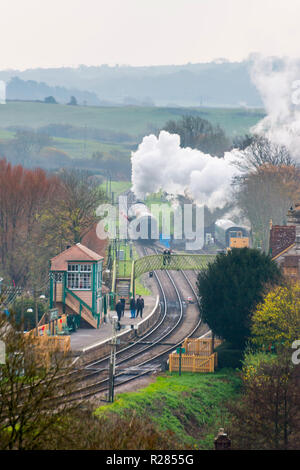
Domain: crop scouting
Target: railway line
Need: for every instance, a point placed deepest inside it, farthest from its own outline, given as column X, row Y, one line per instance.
column 149, row 352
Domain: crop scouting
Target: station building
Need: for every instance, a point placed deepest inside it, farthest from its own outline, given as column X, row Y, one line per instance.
column 76, row 284
column 285, row 244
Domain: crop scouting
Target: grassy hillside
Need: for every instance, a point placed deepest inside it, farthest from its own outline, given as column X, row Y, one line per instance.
column 192, row 406
column 133, row 120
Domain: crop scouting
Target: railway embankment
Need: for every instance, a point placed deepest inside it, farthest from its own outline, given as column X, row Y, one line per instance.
column 192, row 406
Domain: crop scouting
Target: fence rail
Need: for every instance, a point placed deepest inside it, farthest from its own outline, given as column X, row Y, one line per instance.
column 199, row 356
column 200, row 346
column 192, row 363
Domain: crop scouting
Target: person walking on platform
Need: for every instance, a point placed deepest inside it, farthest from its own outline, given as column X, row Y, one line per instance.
column 123, row 305
column 139, row 306
column 119, row 309
column 132, row 307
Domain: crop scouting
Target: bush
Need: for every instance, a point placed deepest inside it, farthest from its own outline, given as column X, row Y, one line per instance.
column 228, row 356
column 231, row 287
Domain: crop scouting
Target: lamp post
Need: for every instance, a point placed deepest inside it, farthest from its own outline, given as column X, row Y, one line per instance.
column 29, row 310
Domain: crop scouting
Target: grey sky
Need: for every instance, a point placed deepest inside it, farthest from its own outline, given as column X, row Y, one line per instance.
column 45, row 33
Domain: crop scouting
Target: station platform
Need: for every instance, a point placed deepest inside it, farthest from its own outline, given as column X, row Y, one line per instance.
column 88, row 337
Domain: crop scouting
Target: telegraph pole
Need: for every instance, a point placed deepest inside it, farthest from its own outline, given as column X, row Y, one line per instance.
column 112, row 362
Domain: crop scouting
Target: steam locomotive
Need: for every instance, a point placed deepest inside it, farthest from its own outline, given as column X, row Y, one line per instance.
column 225, row 233
column 142, row 224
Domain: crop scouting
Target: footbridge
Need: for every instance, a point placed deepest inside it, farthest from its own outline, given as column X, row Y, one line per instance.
column 173, row 262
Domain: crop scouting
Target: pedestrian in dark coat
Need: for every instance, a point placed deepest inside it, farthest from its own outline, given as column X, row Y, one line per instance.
column 123, row 305
column 132, row 307
column 165, row 254
column 139, row 306
column 119, row 309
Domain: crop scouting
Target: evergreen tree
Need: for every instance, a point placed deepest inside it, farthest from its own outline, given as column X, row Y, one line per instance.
column 231, row 287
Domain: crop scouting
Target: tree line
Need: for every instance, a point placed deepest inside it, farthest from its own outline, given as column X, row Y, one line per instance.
column 40, row 214
column 246, row 301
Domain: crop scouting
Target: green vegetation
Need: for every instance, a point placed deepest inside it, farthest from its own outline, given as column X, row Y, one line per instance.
column 192, row 406
column 140, row 289
column 228, row 356
column 231, row 287
column 77, row 148
column 134, row 120
column 124, row 269
column 122, row 128
column 117, row 187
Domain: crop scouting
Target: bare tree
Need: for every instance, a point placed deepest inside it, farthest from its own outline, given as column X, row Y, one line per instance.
column 74, row 212
column 267, row 193
column 261, row 151
column 32, row 384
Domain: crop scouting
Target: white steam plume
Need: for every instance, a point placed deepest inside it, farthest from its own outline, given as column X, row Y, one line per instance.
column 160, row 163
column 278, row 82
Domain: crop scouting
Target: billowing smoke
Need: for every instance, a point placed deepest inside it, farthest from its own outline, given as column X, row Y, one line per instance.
column 160, row 163
column 278, row 81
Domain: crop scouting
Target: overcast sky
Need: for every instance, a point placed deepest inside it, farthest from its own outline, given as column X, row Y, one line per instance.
column 47, row 33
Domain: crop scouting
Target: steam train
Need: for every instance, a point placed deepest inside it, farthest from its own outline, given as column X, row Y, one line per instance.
column 142, row 224
column 224, row 233
column 230, row 235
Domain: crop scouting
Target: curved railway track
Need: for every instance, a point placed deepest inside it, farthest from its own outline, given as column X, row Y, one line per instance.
column 147, row 353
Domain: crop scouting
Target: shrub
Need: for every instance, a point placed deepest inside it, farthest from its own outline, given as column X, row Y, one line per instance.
column 228, row 356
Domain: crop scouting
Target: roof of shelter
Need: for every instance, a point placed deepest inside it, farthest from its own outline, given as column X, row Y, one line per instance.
column 76, row 252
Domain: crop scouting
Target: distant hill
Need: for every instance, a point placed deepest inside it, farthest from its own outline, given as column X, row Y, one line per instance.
column 30, row 90
column 220, row 84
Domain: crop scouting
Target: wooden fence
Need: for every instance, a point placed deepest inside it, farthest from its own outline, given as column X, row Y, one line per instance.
column 53, row 343
column 46, row 347
column 198, row 356
column 200, row 346
column 192, row 363
column 51, row 328
column 49, row 341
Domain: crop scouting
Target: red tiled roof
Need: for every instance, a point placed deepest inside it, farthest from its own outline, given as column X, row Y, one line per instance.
column 76, row 252
column 281, row 238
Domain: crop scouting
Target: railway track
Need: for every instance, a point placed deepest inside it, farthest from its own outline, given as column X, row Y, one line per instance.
column 148, row 353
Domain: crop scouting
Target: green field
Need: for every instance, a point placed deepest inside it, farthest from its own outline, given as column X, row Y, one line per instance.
column 117, row 187
column 135, row 121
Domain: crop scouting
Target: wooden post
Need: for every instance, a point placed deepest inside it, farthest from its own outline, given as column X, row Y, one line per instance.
column 212, row 343
column 180, row 353
column 170, row 362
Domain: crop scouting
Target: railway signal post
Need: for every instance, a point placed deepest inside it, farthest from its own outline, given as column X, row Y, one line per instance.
column 112, row 362
column 179, row 351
